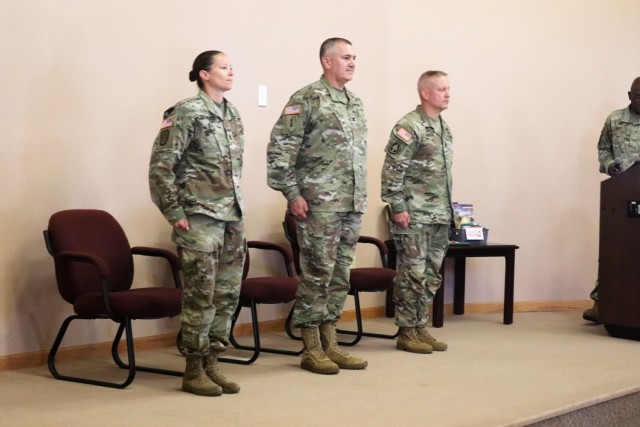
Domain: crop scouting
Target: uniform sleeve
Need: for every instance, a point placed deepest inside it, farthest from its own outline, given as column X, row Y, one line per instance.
column 168, row 148
column 400, row 150
column 605, row 147
column 237, row 128
column 284, row 145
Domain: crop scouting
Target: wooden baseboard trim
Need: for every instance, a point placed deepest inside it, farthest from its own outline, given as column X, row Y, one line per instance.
column 522, row 307
column 29, row 360
column 37, row 358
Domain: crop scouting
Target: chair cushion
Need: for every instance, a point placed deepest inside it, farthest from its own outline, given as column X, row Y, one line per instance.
column 374, row 279
column 137, row 303
column 93, row 232
column 269, row 290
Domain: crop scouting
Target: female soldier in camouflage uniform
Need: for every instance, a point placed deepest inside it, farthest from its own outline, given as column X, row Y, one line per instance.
column 194, row 178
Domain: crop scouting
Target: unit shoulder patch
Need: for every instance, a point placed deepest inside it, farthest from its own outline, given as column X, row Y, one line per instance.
column 164, row 137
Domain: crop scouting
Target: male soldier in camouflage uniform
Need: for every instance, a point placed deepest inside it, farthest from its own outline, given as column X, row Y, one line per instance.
column 317, row 158
column 416, row 182
column 618, row 150
column 194, row 178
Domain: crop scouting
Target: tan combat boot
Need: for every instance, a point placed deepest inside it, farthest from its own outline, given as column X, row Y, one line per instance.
column 211, row 369
column 426, row 337
column 196, row 381
column 313, row 358
column 408, row 340
column 330, row 346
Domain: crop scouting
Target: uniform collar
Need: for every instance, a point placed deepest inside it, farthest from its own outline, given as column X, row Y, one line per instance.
column 428, row 120
column 336, row 94
column 630, row 116
column 214, row 108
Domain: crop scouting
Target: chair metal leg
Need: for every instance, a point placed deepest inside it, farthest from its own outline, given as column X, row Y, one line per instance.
column 126, row 325
column 359, row 333
column 56, row 374
column 287, row 326
column 179, row 343
column 234, row 319
column 256, row 340
column 256, row 348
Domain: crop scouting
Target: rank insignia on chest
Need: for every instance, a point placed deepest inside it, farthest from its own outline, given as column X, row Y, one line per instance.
column 167, row 123
column 291, row 109
column 404, row 135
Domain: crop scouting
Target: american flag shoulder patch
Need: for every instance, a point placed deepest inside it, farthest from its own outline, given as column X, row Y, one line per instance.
column 291, row 109
column 167, row 123
column 404, row 135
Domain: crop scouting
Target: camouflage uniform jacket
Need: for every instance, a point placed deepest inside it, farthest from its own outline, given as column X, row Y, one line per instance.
column 416, row 174
column 620, row 138
column 196, row 161
column 318, row 150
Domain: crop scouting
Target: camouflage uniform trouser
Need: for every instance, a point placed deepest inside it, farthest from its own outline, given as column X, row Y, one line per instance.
column 421, row 249
column 327, row 246
column 212, row 254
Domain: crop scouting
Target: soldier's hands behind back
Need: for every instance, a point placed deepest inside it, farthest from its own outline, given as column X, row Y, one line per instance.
column 614, row 169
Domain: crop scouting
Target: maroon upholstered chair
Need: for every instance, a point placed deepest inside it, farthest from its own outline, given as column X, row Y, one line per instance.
column 264, row 290
column 94, row 272
column 361, row 279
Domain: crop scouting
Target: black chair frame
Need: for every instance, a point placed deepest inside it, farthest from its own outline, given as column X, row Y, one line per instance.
column 123, row 321
column 256, row 348
column 359, row 332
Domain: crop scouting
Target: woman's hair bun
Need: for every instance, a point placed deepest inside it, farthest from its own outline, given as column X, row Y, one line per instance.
column 193, row 76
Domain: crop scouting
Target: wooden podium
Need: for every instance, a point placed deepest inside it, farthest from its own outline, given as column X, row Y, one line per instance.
column 619, row 260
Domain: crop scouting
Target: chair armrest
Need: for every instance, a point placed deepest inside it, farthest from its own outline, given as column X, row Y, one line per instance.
column 272, row 246
column 101, row 266
column 382, row 248
column 174, row 261
column 157, row 252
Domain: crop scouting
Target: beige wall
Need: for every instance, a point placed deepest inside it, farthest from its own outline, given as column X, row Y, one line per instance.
column 84, row 85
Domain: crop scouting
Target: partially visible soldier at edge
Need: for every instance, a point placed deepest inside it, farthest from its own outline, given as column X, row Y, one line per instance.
column 416, row 183
column 618, row 150
column 194, row 179
column 317, row 158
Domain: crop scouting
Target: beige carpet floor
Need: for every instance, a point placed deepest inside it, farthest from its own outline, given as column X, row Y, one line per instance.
column 544, row 364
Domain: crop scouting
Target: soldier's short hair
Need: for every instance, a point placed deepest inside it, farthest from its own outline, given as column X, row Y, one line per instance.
column 429, row 75
column 329, row 43
column 204, row 61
